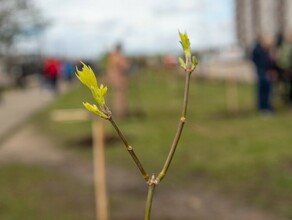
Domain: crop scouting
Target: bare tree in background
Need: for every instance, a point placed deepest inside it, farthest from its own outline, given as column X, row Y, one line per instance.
column 18, row 18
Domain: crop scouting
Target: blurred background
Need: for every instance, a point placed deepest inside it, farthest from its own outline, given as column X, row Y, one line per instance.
column 234, row 160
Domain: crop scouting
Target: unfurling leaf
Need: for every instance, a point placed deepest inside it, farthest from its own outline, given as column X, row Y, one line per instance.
column 190, row 62
column 87, row 77
column 194, row 61
column 185, row 42
column 182, row 62
column 94, row 109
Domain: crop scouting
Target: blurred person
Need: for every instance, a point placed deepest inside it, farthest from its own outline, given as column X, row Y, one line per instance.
column 284, row 61
column 19, row 76
column 170, row 61
column 68, row 70
column 279, row 39
column 263, row 58
column 117, row 66
column 41, row 74
column 280, row 85
column 51, row 71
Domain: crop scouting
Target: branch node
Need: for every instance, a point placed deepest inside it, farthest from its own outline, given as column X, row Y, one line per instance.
column 183, row 119
column 152, row 180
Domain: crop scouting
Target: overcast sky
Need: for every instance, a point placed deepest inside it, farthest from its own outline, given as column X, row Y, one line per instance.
column 90, row 27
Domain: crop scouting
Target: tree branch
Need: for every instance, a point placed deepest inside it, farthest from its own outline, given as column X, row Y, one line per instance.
column 131, row 151
column 178, row 131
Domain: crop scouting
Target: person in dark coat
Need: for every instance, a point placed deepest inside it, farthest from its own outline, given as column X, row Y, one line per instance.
column 262, row 59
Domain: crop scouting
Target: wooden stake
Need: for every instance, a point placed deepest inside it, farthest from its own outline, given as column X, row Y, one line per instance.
column 70, row 115
column 73, row 115
column 232, row 95
column 99, row 170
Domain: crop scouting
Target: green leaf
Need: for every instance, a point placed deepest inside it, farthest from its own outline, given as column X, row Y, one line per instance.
column 94, row 109
column 185, row 42
column 182, row 62
column 86, row 76
column 194, row 61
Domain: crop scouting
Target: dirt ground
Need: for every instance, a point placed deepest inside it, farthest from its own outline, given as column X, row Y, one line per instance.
column 126, row 190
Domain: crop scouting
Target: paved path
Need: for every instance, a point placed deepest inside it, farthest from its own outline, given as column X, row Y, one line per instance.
column 17, row 106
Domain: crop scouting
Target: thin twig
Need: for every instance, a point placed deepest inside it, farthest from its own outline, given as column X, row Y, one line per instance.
column 150, row 194
column 186, row 93
column 131, row 151
column 178, row 131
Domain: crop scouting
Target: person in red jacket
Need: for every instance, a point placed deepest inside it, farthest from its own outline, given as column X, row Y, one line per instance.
column 51, row 72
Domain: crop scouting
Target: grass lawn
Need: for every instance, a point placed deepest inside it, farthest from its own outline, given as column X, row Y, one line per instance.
column 240, row 154
column 29, row 192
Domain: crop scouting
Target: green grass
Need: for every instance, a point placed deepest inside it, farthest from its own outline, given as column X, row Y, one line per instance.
column 36, row 193
column 240, row 154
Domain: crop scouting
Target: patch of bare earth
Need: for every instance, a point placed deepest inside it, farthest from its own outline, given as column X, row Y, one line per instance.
column 126, row 190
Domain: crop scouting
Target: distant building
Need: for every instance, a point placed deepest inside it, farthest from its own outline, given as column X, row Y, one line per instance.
column 255, row 17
